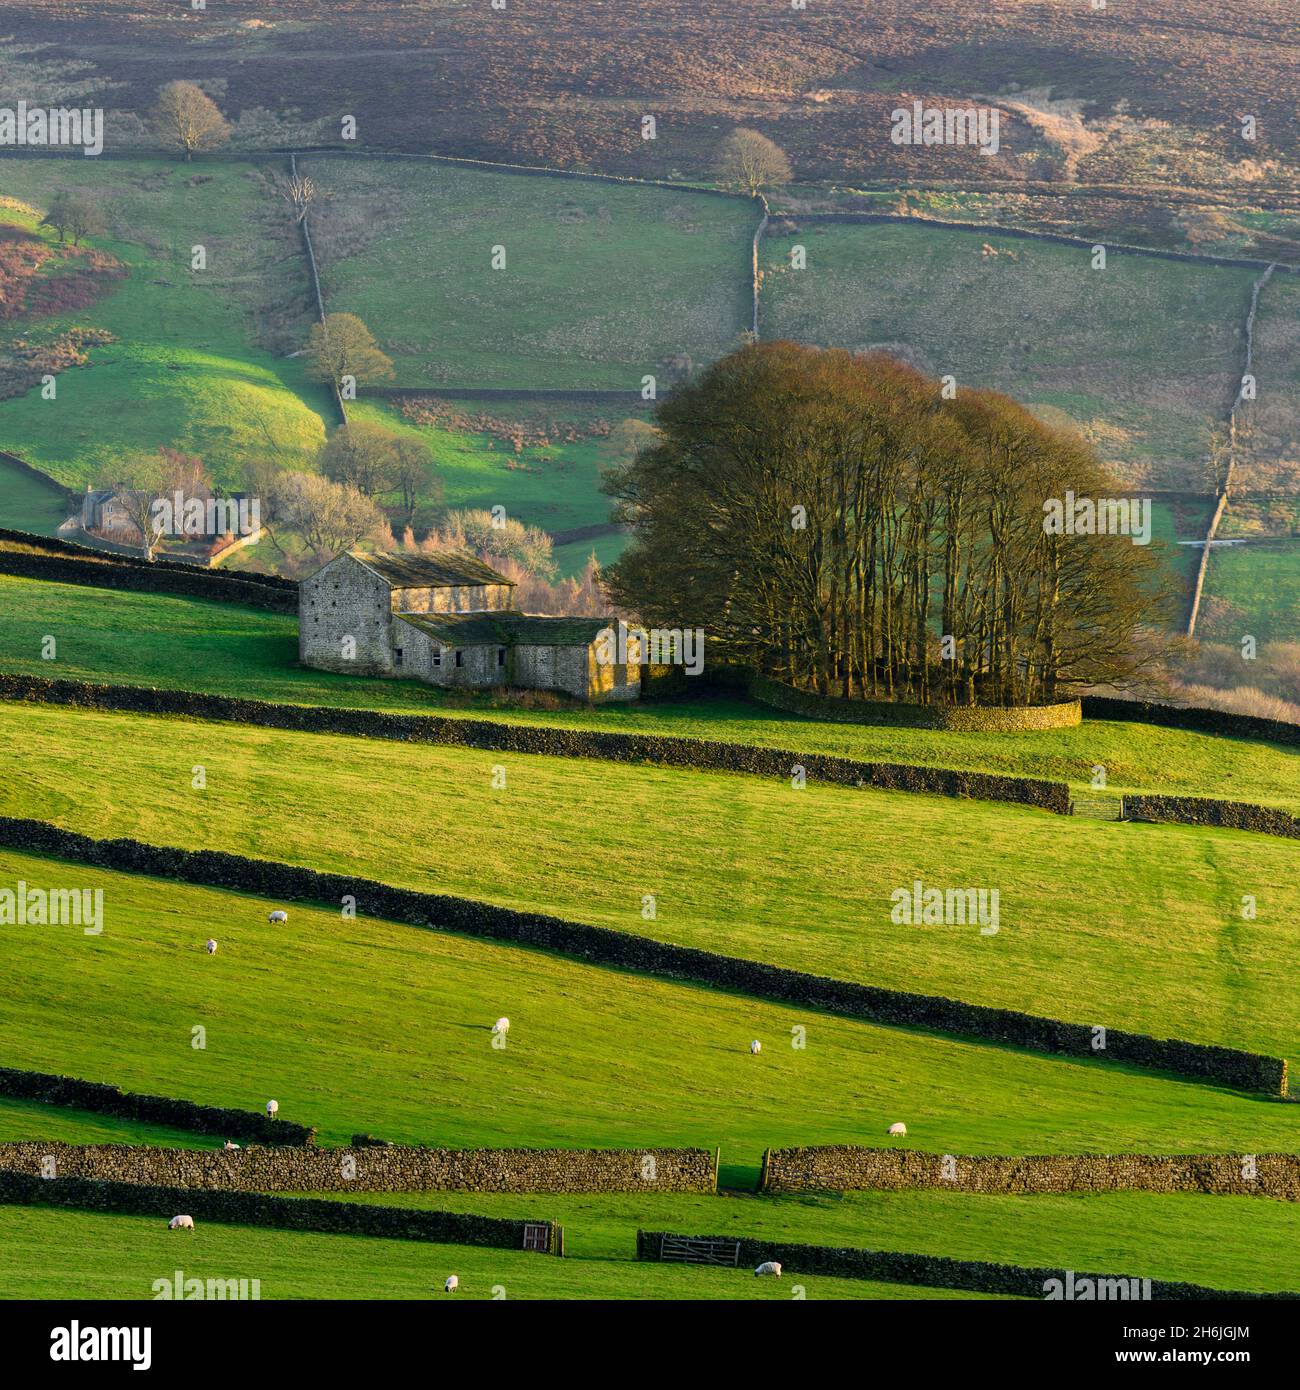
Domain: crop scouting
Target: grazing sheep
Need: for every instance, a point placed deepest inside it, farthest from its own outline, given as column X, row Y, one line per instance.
column 211, row 947
column 755, row 1048
column 279, row 915
column 181, row 1223
column 451, row 1285
column 230, row 1144
column 898, row 1129
column 769, row 1267
column 502, row 1025
column 273, row 1108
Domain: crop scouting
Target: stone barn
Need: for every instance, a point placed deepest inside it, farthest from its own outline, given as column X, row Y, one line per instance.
column 449, row 619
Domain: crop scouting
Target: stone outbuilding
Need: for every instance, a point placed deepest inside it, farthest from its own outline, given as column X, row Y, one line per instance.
column 449, row 619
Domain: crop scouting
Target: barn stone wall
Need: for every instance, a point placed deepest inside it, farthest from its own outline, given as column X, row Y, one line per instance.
column 479, row 668
column 344, row 599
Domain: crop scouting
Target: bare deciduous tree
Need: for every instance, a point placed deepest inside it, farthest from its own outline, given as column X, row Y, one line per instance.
column 74, row 214
column 188, row 120
column 300, row 192
column 328, row 517
column 751, row 162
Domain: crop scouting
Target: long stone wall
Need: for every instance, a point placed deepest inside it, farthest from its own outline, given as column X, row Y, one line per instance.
column 259, row 1209
column 160, row 578
column 1203, row 721
column 385, row 1168
column 941, row 1272
column 1204, row 810
column 846, row 1168
column 103, row 1099
column 550, row 741
column 605, row 946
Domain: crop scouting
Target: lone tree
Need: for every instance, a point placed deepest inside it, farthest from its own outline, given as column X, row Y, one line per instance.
column 137, row 484
column 833, row 521
column 361, row 455
column 300, row 192
column 750, row 161
column 344, row 346
column 73, row 214
column 188, row 120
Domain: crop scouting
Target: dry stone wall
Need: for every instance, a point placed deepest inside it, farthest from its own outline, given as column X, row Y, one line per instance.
column 103, row 1099
column 844, row 1168
column 1202, row 810
column 694, row 754
column 941, row 1272
column 379, row 1168
column 959, row 718
column 259, row 1209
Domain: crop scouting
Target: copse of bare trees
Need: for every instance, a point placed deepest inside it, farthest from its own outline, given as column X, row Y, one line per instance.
column 328, row 517
column 749, row 161
column 187, row 120
column 832, row 521
column 73, row 213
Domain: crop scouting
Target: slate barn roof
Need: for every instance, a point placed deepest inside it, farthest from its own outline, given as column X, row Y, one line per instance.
column 506, row 629
column 441, row 571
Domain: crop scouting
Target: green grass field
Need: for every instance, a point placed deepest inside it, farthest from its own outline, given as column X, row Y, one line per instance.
column 1254, row 590
column 1141, row 356
column 189, row 370
column 555, row 488
column 737, row 864
column 372, row 1025
column 30, row 503
column 1222, row 1242
column 75, row 1254
column 601, row 282
column 362, row 1025
column 142, row 639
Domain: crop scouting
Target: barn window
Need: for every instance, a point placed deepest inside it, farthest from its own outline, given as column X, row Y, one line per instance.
column 460, row 658
column 501, row 656
column 437, row 656
column 397, row 655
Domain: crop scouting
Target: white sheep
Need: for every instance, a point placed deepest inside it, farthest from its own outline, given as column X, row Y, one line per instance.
column 769, row 1267
column 273, row 1108
column 279, row 915
column 181, row 1223
column 755, row 1048
column 898, row 1130
column 502, row 1025
column 229, row 1145
column 211, row 947
column 451, row 1285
